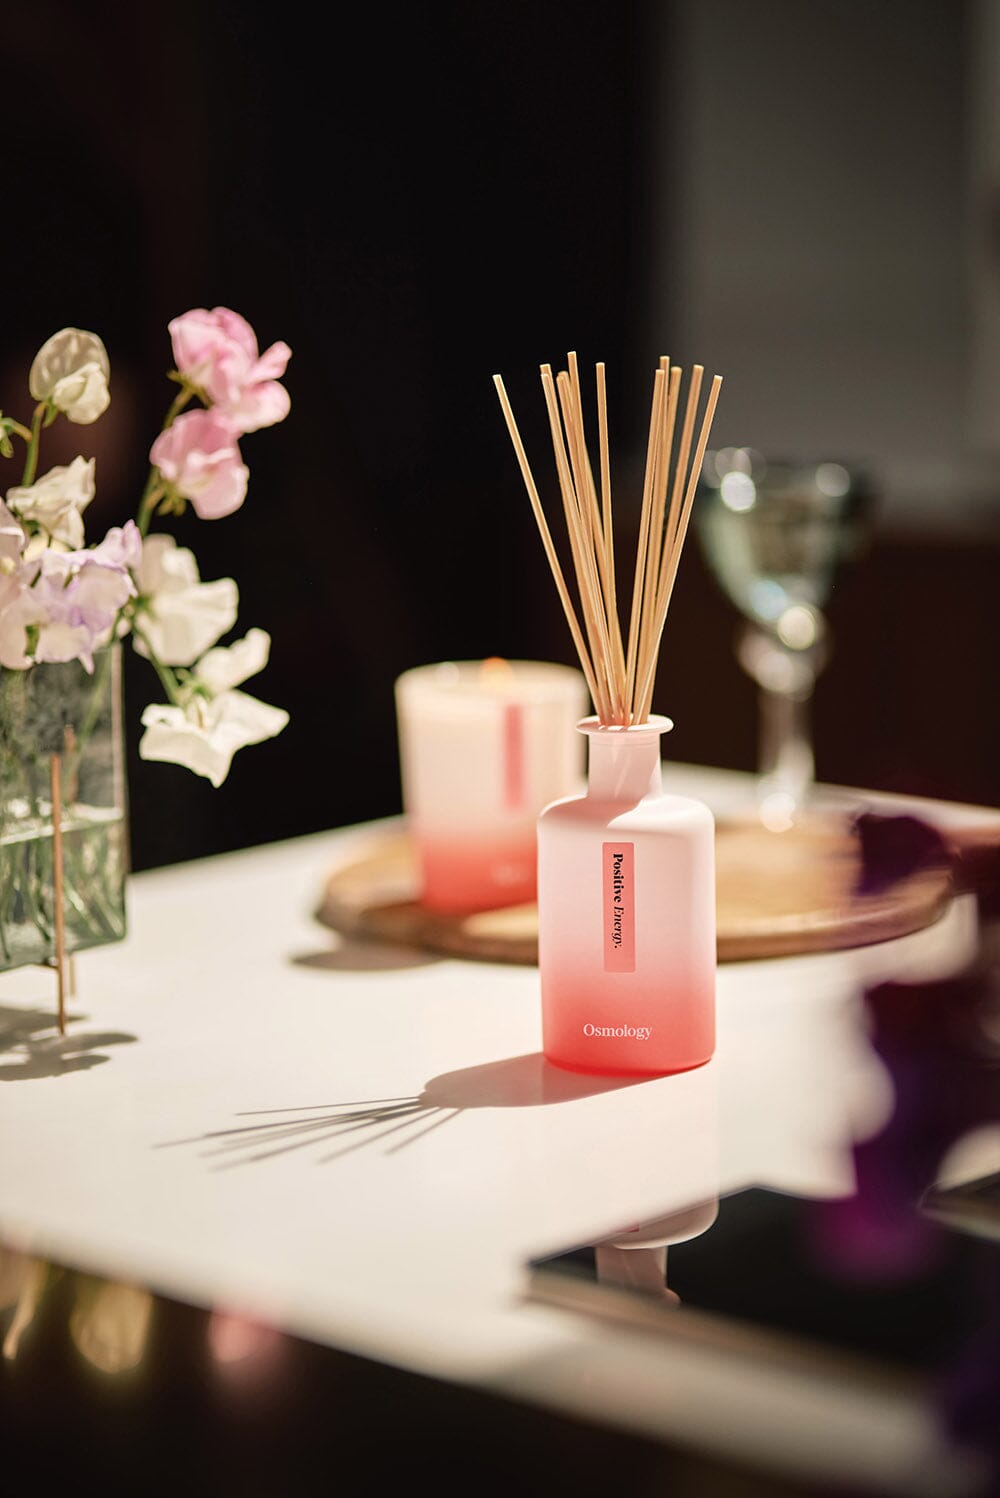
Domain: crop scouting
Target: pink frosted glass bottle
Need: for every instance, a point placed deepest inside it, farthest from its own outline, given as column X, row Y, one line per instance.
column 626, row 914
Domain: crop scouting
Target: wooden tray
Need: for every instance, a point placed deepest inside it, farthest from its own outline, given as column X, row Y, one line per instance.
column 778, row 894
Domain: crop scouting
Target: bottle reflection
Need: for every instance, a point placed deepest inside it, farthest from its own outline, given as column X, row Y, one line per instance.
column 637, row 1258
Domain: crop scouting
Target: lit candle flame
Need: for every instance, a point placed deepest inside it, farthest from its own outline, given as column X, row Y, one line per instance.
column 495, row 671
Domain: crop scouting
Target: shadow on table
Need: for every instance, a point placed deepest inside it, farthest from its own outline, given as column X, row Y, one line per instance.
column 352, row 956
column 31, row 1038
column 517, row 1082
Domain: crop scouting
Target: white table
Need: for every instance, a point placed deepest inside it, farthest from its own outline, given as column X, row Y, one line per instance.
column 442, row 1153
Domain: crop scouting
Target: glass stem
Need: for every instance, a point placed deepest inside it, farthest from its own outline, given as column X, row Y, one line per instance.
column 785, row 756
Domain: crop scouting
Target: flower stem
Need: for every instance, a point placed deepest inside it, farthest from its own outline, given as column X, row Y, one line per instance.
column 152, row 494
column 167, row 678
column 31, row 456
column 155, row 487
column 178, row 403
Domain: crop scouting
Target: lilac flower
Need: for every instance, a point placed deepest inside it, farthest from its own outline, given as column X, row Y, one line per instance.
column 79, row 594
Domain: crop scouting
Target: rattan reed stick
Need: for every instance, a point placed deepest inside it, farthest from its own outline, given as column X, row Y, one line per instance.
column 620, row 676
column 547, row 543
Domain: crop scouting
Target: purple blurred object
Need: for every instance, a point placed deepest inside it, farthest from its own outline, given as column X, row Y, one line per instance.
column 894, row 848
column 940, row 1044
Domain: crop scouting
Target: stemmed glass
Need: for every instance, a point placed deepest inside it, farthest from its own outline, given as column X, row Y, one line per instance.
column 776, row 536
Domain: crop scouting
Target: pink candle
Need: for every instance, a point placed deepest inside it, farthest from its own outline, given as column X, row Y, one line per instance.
column 484, row 746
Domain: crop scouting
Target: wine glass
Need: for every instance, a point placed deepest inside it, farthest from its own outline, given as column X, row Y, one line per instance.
column 776, row 537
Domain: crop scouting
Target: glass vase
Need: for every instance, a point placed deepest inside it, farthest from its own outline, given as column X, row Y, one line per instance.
column 61, row 709
column 627, row 915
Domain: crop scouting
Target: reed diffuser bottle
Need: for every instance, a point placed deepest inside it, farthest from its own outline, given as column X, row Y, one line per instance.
column 626, row 872
column 626, row 905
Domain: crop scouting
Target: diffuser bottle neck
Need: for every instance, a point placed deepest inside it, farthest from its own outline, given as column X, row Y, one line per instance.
column 624, row 763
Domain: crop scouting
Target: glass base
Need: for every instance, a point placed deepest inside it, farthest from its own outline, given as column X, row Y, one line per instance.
column 94, row 867
column 61, row 741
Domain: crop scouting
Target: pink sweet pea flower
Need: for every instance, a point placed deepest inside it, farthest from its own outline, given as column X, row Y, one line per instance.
column 217, row 351
column 199, row 455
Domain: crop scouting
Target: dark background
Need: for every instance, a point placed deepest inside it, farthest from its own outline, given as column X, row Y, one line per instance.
column 426, row 196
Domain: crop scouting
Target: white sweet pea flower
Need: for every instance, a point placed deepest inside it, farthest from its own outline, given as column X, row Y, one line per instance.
column 11, row 541
column 56, row 502
column 204, row 736
column 227, row 666
column 182, row 616
column 18, row 609
column 18, row 605
column 72, row 371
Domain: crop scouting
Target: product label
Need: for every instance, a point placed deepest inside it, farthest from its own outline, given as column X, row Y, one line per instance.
column 618, row 1032
column 619, row 907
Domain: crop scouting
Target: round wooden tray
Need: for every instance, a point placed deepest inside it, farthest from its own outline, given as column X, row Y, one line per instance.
column 779, row 893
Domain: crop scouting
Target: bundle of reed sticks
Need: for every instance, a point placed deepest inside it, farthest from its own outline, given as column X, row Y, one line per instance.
column 619, row 665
